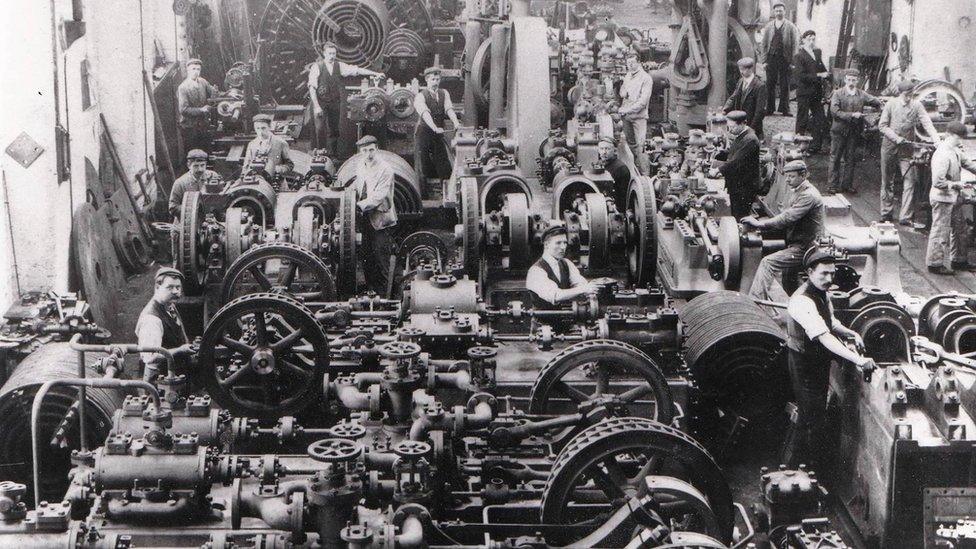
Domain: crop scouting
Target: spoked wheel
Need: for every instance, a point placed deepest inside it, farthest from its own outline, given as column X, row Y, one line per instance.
column 279, row 267
column 603, row 369
column 641, row 232
column 190, row 253
column 611, row 462
column 263, row 356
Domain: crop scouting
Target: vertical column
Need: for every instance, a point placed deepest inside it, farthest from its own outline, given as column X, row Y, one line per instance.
column 718, row 38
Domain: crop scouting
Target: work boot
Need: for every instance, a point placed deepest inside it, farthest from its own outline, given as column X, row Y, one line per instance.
column 941, row 270
column 963, row 266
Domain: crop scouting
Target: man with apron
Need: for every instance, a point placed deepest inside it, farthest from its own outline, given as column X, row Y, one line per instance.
column 433, row 106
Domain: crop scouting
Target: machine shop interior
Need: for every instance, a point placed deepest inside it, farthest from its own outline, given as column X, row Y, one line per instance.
column 497, row 274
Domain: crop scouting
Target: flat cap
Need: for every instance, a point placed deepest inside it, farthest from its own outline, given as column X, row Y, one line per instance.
column 795, row 166
column 746, row 62
column 737, row 116
column 194, row 61
column 815, row 256
column 196, row 154
column 432, row 70
column 806, row 33
column 262, row 118
column 852, row 72
column 779, row 4
column 905, row 85
column 366, row 140
column 608, row 139
column 957, row 128
column 554, row 230
column 167, row 271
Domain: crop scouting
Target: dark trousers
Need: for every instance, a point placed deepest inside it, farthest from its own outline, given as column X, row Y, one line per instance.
column 810, row 118
column 843, row 157
column 741, row 204
column 810, row 377
column 777, row 74
column 377, row 249
column 327, row 126
column 195, row 137
column 430, row 153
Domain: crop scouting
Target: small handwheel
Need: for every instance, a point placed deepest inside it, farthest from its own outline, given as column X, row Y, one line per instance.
column 334, row 450
column 279, row 267
column 190, row 254
column 470, row 227
column 482, row 352
column 345, row 267
column 400, row 350
column 263, row 356
column 642, row 231
column 519, row 234
column 411, row 449
column 347, row 430
column 599, row 245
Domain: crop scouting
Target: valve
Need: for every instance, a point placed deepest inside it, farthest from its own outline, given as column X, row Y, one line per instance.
column 334, row 450
column 11, row 508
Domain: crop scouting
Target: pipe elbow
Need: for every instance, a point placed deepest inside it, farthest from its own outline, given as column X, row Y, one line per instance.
column 411, row 534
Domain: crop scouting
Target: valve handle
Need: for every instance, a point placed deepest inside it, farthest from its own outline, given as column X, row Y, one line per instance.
column 400, row 350
column 334, row 450
column 411, row 449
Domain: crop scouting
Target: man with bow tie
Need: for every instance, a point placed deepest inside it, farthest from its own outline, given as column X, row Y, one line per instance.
column 374, row 201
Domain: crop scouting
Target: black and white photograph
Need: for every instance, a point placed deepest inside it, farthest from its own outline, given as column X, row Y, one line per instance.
column 488, row 274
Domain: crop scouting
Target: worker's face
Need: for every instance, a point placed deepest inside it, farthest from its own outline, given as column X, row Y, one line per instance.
column 822, row 275
column 369, row 151
column 197, row 167
column 607, row 151
column 793, row 179
column 906, row 96
column 193, row 71
column 633, row 64
column 810, row 41
column 779, row 12
column 263, row 129
column 556, row 246
column 168, row 290
column 746, row 72
column 329, row 53
column 733, row 128
column 433, row 81
column 850, row 81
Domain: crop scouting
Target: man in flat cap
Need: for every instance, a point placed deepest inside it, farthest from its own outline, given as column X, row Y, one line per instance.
column 846, row 106
column 741, row 167
column 194, row 179
column 814, row 342
column 803, row 221
column 779, row 43
column 270, row 146
column 327, row 91
column 554, row 280
column 434, row 107
column 160, row 325
column 192, row 95
column 635, row 96
column 607, row 149
column 949, row 227
column 374, row 201
column 749, row 96
column 898, row 121
column 810, row 77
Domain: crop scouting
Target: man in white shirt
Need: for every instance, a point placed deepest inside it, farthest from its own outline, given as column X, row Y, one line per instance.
column 160, row 325
column 813, row 344
column 327, row 91
column 635, row 96
column 434, row 107
column 949, row 226
column 554, row 280
column 374, row 201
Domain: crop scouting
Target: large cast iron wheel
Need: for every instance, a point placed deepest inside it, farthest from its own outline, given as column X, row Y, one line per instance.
column 641, row 231
column 609, row 462
column 279, row 267
column 190, row 253
column 470, row 227
column 263, row 356
column 345, row 267
column 601, row 363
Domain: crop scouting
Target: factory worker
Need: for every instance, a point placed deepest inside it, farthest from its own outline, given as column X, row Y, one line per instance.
column 949, row 226
column 553, row 279
column 749, row 96
column 192, row 96
column 741, row 167
column 607, row 149
column 327, row 91
column 846, row 112
column 193, row 180
column 374, row 200
column 267, row 143
column 434, row 107
column 160, row 325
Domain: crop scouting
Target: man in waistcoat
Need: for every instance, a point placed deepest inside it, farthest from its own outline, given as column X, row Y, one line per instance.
column 374, row 202
column 779, row 43
column 554, row 280
column 813, row 343
column 160, row 325
column 327, row 92
column 434, row 107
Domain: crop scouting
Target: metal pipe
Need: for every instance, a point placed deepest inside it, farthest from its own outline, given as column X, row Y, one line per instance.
column 100, row 383
column 411, row 534
column 718, row 40
column 74, row 344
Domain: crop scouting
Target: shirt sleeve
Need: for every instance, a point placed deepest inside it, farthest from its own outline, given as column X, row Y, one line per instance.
column 884, row 123
column 537, row 282
column 420, row 104
column 176, row 198
column 313, row 75
column 799, row 207
column 804, row 312
column 346, row 69
column 448, row 104
column 940, row 169
column 967, row 163
column 183, row 99
column 285, row 155
column 576, row 278
column 926, row 121
column 382, row 189
column 149, row 333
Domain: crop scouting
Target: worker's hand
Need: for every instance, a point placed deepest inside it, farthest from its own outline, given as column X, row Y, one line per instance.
column 439, row 131
column 713, row 173
column 592, row 289
column 857, row 115
column 281, row 169
column 867, row 366
column 750, row 221
column 900, row 140
column 206, row 109
column 824, row 74
column 858, row 342
column 185, row 349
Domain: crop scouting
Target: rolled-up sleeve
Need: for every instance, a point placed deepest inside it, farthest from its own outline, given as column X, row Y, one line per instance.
column 149, row 333
column 313, row 75
column 576, row 278
column 802, row 310
column 537, row 282
column 940, row 169
column 798, row 208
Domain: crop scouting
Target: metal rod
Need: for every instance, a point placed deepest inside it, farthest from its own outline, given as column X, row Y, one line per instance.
column 161, row 133
column 83, row 400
